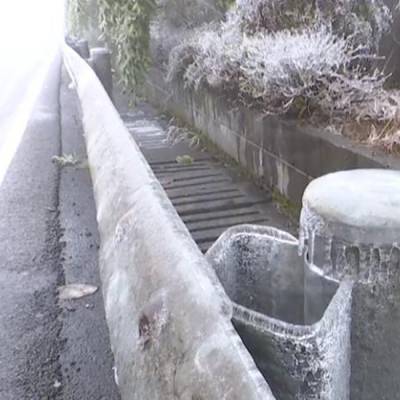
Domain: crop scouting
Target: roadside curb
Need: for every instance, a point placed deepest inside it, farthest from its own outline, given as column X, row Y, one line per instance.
column 168, row 316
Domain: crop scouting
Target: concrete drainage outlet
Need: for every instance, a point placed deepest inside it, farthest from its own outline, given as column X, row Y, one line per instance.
column 302, row 350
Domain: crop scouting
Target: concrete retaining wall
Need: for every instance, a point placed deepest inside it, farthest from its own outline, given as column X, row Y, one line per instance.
column 168, row 316
column 284, row 154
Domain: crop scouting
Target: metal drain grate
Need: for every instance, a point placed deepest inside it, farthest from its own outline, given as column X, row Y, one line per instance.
column 208, row 198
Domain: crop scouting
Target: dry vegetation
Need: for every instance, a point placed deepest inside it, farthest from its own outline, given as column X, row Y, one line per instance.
column 312, row 59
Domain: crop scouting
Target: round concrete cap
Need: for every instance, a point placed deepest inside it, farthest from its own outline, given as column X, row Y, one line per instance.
column 364, row 198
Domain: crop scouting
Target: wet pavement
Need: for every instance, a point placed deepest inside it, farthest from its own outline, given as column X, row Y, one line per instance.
column 48, row 237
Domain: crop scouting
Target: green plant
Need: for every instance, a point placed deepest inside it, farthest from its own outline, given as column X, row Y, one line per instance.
column 288, row 208
column 225, row 4
column 126, row 27
column 76, row 13
column 81, row 16
column 186, row 159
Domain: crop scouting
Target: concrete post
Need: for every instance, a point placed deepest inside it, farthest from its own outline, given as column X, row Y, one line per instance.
column 350, row 230
column 100, row 60
column 82, row 48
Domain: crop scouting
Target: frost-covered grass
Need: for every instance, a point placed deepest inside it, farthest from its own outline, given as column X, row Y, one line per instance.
column 312, row 68
column 362, row 21
column 306, row 57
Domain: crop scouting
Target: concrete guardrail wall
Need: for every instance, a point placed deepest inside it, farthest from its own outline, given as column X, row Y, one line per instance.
column 169, row 317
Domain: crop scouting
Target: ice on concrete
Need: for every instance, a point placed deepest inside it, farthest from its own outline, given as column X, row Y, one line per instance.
column 350, row 224
column 169, row 317
column 263, row 275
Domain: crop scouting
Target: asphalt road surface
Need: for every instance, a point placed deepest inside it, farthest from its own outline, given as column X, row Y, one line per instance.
column 51, row 349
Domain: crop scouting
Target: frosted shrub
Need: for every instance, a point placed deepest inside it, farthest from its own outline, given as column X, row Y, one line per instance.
column 272, row 15
column 176, row 19
column 278, row 68
column 283, row 55
column 361, row 20
column 208, row 56
column 306, row 70
column 189, row 13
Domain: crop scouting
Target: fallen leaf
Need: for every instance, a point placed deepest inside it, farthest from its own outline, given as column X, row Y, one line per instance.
column 66, row 160
column 76, row 291
column 166, row 181
column 185, row 160
column 115, row 375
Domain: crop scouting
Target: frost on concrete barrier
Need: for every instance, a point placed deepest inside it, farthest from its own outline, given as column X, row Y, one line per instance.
column 264, row 276
column 168, row 315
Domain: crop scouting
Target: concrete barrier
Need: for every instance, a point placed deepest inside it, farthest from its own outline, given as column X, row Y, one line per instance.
column 168, row 315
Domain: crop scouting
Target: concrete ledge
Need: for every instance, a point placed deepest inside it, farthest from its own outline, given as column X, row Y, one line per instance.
column 168, row 316
column 283, row 153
